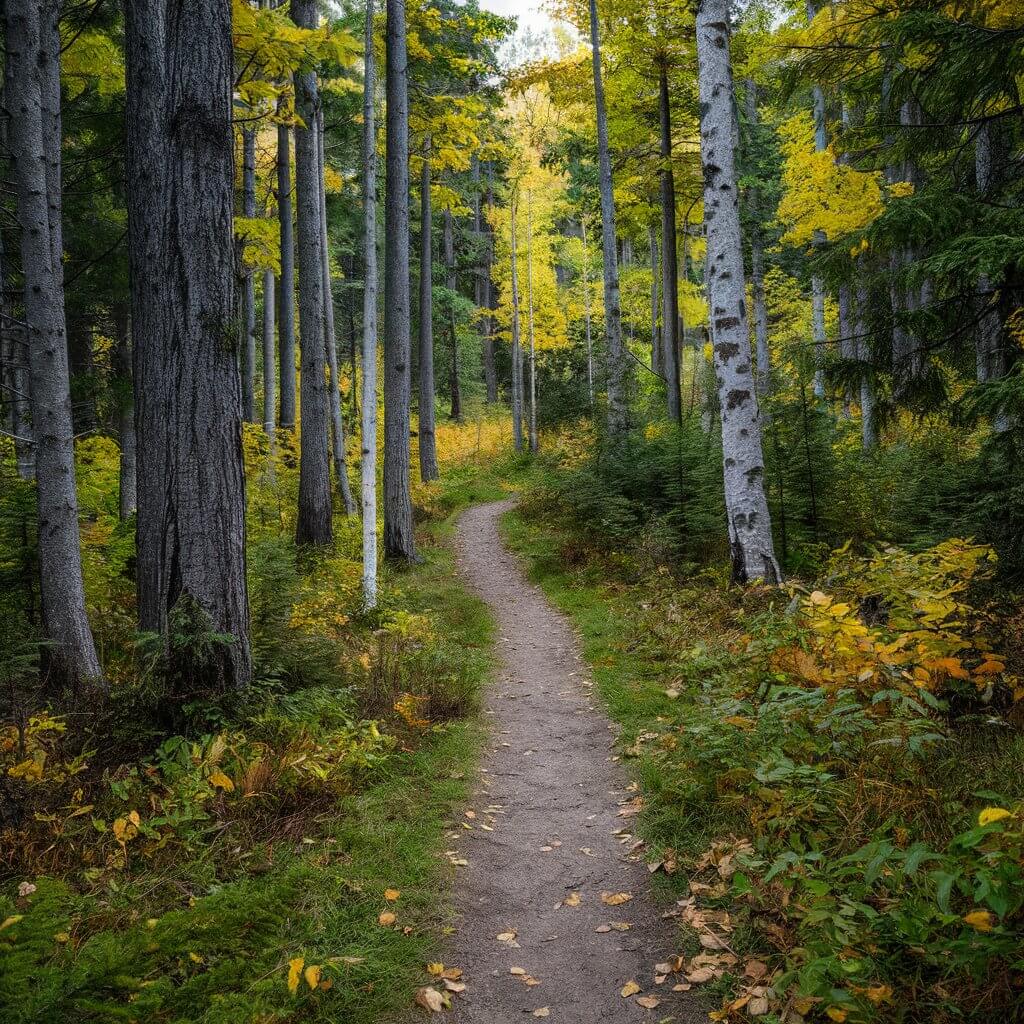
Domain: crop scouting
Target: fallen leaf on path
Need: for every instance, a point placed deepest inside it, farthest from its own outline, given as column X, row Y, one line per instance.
column 542, row 1012
column 616, row 899
column 700, row 975
column 436, row 969
column 648, row 1002
column 518, row 971
column 630, row 989
column 603, row 929
column 431, row 1000
column 621, row 926
column 452, row 973
column 572, row 900
column 454, row 986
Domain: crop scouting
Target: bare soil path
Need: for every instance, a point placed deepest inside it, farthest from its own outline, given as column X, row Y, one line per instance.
column 546, row 834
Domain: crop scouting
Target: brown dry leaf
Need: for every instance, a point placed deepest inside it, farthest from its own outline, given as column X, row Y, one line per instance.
column 603, row 929
column 454, row 986
column 648, row 1002
column 616, row 899
column 519, row 972
column 621, row 926
column 430, row 999
column 758, row 1006
column 452, row 973
column 681, row 987
column 755, row 969
column 700, row 975
column 386, row 918
column 709, row 940
column 630, row 989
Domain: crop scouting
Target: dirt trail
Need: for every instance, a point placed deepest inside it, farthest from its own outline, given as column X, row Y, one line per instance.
column 544, row 819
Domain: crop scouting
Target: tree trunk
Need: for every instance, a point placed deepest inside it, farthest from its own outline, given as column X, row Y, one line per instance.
column 368, row 464
column 427, row 446
column 616, row 369
column 517, row 358
column 762, row 378
column 269, row 367
column 669, row 264
column 533, row 340
column 868, row 424
column 656, row 360
column 248, row 281
column 286, row 284
column 587, row 326
column 399, row 541
column 451, row 284
column 490, row 371
column 32, row 64
column 17, row 385
column 191, row 482
column 750, row 532
column 313, row 525
column 124, row 390
column 331, row 339
column 817, row 284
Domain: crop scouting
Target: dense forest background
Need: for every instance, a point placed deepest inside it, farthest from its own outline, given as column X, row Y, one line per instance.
column 730, row 294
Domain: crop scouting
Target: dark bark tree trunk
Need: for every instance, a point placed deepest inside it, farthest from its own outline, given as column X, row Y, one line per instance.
column 656, row 350
column 427, row 445
column 517, row 352
column 618, row 413
column 32, row 100
column 670, row 266
column 451, row 282
column 286, row 284
column 314, row 525
column 399, row 541
column 248, row 281
column 124, row 391
column 269, row 364
column 191, row 483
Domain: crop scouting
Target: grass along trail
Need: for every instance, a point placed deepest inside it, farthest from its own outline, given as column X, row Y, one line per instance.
column 554, row 917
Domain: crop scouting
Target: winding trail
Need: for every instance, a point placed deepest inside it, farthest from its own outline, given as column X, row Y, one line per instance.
column 545, row 828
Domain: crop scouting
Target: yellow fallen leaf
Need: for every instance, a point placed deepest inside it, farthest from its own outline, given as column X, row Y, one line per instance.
column 62, row 937
column 386, row 918
column 836, row 1014
column 572, row 900
column 629, row 989
column 294, row 973
column 195, row 958
column 436, row 969
column 991, row 815
column 312, row 975
column 506, row 936
column 616, row 899
column 879, row 994
column 219, row 780
column 980, row 920
column 8, row 921
column 391, row 895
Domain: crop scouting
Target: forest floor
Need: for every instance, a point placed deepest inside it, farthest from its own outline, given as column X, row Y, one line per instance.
column 554, row 912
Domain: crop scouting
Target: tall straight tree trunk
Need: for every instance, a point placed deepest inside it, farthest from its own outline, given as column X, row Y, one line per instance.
column 750, row 531
column 399, row 541
column 248, row 281
column 368, row 465
column 286, row 285
column 17, row 384
column 313, row 524
column 428, row 445
column 191, row 482
column 669, row 264
column 269, row 366
column 32, row 68
column 480, row 270
column 616, row 369
column 533, row 338
column 868, row 424
column 331, row 340
column 125, row 393
column 817, row 283
column 587, row 319
column 517, row 356
column 490, row 370
column 451, row 284
column 656, row 351
column 762, row 377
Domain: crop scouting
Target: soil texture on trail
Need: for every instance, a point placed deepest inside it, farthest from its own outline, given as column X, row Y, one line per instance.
column 554, row 919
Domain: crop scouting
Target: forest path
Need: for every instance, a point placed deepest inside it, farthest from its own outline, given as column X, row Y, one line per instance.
column 546, row 837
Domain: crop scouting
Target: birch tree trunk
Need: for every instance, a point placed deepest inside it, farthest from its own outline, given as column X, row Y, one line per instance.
column 427, row 446
column 313, row 524
column 490, row 371
column 451, row 284
column 286, row 285
column 248, row 281
column 750, row 532
column 399, row 541
column 191, row 484
column 868, row 424
column 669, row 260
column 762, row 377
column 125, row 393
column 331, row 339
column 517, row 359
column 533, row 340
column 31, row 66
column 616, row 369
column 368, row 464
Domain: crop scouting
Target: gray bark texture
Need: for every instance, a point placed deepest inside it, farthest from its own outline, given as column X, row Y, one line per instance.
column 427, row 445
column 868, row 424
column 762, row 377
column 750, row 532
column 368, row 463
column 269, row 366
column 248, row 323
column 15, row 380
column 587, row 325
column 618, row 412
column 490, row 297
column 652, row 245
column 990, row 354
column 517, row 352
column 286, row 285
column 451, row 283
column 191, row 483
column 331, row 340
column 32, row 100
column 399, row 541
column 669, row 260
column 313, row 525
column 124, row 388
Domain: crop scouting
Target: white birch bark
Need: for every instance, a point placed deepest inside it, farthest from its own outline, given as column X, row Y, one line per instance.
column 750, row 533
column 517, row 358
column 533, row 338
